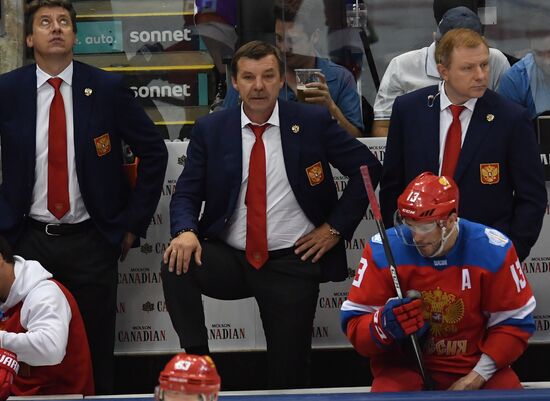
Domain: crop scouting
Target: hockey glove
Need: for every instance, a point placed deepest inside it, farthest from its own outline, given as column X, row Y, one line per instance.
column 397, row 320
column 8, row 369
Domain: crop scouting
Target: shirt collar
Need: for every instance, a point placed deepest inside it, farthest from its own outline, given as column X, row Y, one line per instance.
column 444, row 101
column 431, row 65
column 272, row 120
column 66, row 75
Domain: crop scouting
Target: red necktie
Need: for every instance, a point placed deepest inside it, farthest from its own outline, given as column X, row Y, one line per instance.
column 58, row 175
column 256, row 203
column 453, row 143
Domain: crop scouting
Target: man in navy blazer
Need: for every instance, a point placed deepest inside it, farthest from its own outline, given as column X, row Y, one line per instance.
column 498, row 171
column 306, row 222
column 104, row 216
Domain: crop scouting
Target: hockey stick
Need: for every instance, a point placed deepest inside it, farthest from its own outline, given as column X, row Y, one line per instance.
column 393, row 271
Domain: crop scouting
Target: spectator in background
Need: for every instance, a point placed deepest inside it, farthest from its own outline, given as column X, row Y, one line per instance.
column 215, row 22
column 440, row 7
column 64, row 199
column 188, row 378
column 461, row 129
column 296, row 35
column 273, row 225
column 475, row 312
column 418, row 68
column 528, row 81
column 42, row 326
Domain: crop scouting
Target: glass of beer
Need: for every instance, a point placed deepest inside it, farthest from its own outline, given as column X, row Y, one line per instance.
column 303, row 77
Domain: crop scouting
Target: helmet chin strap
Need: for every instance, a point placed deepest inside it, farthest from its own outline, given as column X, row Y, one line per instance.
column 444, row 238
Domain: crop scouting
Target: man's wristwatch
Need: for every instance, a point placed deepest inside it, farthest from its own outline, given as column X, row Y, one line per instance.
column 333, row 231
column 185, row 230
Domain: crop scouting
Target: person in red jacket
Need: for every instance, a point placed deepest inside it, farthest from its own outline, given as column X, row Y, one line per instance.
column 41, row 327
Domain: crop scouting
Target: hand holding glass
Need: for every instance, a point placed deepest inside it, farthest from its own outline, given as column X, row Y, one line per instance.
column 305, row 76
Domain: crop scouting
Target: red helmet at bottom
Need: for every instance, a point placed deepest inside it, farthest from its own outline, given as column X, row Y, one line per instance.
column 189, row 374
column 428, row 197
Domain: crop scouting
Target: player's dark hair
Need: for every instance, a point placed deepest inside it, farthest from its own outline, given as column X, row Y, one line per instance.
column 5, row 250
column 34, row 5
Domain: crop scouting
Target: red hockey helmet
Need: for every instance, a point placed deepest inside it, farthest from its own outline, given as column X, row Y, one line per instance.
column 190, row 374
column 428, row 197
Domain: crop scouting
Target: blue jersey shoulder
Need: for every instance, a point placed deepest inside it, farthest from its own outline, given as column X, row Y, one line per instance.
column 403, row 254
column 477, row 245
column 483, row 246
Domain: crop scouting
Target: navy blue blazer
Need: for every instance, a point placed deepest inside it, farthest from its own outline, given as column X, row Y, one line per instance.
column 213, row 171
column 500, row 139
column 109, row 108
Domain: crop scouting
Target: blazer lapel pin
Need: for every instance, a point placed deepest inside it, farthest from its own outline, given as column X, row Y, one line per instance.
column 88, row 91
column 490, row 117
column 295, row 128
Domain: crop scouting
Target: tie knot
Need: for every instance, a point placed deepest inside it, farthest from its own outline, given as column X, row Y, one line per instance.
column 456, row 110
column 55, row 82
column 258, row 129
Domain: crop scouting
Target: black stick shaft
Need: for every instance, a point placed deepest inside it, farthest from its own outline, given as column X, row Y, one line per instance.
column 393, row 271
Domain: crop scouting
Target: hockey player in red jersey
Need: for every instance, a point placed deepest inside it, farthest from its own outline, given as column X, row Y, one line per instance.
column 188, row 377
column 475, row 313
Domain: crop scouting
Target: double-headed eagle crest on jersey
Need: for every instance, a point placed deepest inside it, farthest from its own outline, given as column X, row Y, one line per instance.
column 443, row 310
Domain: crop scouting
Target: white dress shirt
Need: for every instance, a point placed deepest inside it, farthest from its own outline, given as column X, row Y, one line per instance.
column 446, row 118
column 286, row 222
column 44, row 96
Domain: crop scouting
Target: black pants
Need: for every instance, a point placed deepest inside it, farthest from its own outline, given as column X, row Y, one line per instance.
column 285, row 288
column 87, row 265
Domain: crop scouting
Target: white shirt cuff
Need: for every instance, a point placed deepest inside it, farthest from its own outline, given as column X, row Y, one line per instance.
column 485, row 367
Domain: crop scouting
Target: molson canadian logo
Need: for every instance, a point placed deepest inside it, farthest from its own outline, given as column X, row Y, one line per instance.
column 542, row 323
column 537, row 265
column 320, row 332
column 224, row 331
column 141, row 334
column 146, row 248
column 356, row 243
column 148, row 307
column 181, row 160
column 157, row 219
column 169, row 188
column 333, row 302
column 139, row 276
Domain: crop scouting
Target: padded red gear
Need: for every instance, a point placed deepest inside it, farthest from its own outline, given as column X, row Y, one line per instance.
column 398, row 319
column 410, row 316
column 8, row 370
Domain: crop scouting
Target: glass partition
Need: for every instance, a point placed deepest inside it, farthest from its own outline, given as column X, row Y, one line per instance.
column 175, row 53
